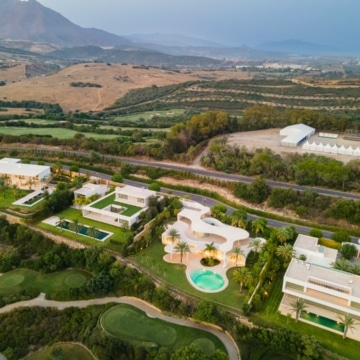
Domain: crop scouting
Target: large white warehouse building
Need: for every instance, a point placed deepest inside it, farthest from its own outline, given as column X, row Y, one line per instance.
column 296, row 134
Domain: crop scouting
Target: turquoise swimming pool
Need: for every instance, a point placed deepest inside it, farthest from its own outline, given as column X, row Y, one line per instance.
column 207, row 280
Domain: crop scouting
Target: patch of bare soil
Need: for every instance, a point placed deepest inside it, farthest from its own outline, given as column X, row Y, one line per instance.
column 116, row 80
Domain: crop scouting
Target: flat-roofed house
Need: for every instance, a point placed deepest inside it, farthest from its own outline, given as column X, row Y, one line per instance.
column 24, row 176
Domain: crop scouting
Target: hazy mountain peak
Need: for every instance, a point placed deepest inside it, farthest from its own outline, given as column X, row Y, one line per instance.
column 29, row 20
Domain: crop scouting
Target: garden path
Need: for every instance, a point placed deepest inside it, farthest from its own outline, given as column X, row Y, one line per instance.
column 150, row 310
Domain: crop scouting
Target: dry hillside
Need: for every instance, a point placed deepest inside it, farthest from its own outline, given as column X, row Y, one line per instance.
column 115, row 80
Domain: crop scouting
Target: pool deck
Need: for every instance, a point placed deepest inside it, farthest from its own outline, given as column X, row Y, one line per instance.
column 285, row 309
column 192, row 262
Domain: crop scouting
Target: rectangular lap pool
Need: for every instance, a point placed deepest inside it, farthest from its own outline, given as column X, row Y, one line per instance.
column 323, row 321
column 86, row 230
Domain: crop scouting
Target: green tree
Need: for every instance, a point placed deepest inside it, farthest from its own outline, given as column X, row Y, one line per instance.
column 349, row 323
column 239, row 219
column 3, row 185
column 189, row 352
column 182, row 247
column 92, row 232
column 348, row 251
column 237, row 251
column 243, row 276
column 256, row 244
column 61, row 221
column 258, row 225
column 285, row 251
column 316, row 233
column 284, row 234
column 342, row 264
column 210, row 248
column 341, row 236
column 174, row 235
column 298, row 306
column 75, row 226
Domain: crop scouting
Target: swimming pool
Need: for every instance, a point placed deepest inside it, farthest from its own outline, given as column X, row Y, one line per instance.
column 323, row 321
column 84, row 230
column 207, row 280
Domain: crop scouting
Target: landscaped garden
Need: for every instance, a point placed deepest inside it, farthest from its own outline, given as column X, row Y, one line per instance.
column 128, row 322
column 119, row 236
column 63, row 351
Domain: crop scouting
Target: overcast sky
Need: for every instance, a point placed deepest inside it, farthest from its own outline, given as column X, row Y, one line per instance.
column 230, row 22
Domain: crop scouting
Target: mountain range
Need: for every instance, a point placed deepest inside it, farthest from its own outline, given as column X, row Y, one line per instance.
column 28, row 22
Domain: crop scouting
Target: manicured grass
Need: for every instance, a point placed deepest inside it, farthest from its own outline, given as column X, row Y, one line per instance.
column 110, row 199
column 21, row 279
column 270, row 316
column 9, row 198
column 70, row 351
column 72, row 214
column 174, row 274
column 128, row 322
column 60, row 133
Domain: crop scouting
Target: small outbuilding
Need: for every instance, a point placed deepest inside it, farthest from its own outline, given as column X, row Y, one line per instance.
column 296, row 134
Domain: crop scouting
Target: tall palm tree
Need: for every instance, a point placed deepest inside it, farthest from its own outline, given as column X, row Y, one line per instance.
column 258, row 225
column 239, row 219
column 210, row 248
column 237, row 251
column 60, row 223
column 3, row 185
column 283, row 234
column 256, row 245
column 182, row 247
column 285, row 251
column 174, row 235
column 349, row 323
column 298, row 306
column 92, row 232
column 243, row 276
column 75, row 226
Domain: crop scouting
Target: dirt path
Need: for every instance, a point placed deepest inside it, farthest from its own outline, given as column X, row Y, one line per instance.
column 150, row 310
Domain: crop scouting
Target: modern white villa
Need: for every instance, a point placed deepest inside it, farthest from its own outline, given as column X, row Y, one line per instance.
column 89, row 189
column 197, row 228
column 120, row 208
column 24, row 176
column 327, row 292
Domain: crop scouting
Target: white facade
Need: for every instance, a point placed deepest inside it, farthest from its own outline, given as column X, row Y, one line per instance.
column 113, row 213
column 315, row 281
column 90, row 189
column 295, row 134
column 197, row 228
column 24, row 176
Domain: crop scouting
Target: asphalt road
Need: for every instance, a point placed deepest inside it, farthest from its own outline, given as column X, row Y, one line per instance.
column 214, row 174
column 211, row 202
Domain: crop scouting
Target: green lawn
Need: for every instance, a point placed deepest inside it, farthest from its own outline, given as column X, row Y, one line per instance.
column 174, row 274
column 20, row 279
column 72, row 214
column 110, row 199
column 333, row 342
column 128, row 322
column 60, row 133
column 11, row 196
column 70, row 351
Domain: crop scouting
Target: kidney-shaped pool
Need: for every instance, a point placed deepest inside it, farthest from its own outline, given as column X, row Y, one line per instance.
column 207, row 280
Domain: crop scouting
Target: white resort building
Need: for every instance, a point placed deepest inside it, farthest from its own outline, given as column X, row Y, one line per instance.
column 121, row 207
column 88, row 190
column 197, row 228
column 24, row 176
column 327, row 292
